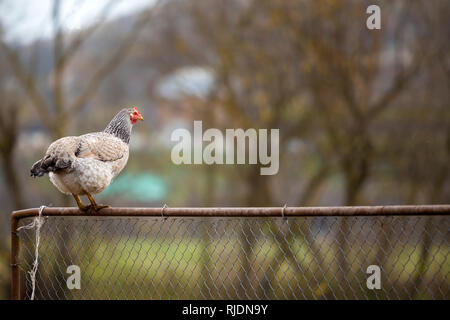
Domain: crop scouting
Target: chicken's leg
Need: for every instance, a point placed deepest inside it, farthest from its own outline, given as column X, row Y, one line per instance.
column 80, row 203
column 95, row 206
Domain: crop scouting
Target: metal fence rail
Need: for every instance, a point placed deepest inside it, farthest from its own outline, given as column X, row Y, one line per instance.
column 235, row 253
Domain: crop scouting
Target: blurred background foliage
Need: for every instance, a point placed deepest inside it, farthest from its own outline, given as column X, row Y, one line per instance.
column 364, row 115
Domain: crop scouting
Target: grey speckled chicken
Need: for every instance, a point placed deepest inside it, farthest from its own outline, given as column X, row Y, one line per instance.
column 86, row 165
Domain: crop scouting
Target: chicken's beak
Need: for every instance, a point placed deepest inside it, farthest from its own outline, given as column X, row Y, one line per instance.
column 141, row 117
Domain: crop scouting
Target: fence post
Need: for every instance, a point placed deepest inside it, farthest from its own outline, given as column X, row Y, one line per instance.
column 15, row 249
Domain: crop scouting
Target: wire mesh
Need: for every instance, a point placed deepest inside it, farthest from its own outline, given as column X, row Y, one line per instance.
column 239, row 257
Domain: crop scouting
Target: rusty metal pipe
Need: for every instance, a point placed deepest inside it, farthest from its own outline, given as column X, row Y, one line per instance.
column 245, row 212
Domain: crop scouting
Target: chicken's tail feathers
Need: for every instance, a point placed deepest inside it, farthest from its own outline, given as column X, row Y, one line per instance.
column 49, row 164
column 37, row 170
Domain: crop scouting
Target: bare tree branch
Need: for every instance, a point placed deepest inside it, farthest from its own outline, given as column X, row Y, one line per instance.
column 400, row 83
column 58, row 42
column 113, row 62
column 27, row 82
column 84, row 35
column 61, row 58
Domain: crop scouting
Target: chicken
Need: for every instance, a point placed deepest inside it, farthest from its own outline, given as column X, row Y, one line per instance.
column 86, row 165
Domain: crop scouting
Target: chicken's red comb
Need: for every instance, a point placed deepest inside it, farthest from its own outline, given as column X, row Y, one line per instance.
column 136, row 109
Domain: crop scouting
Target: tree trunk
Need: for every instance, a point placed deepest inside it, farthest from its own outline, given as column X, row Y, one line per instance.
column 13, row 182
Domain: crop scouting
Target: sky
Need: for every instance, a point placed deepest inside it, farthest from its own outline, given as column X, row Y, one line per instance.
column 27, row 20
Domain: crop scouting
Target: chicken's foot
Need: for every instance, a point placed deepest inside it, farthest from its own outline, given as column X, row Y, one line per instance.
column 96, row 206
column 80, row 204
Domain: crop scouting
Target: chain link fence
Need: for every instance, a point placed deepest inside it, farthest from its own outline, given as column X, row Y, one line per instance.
column 238, row 257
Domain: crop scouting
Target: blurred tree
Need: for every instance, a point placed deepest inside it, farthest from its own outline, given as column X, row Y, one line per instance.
column 268, row 55
column 56, row 115
column 9, row 125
